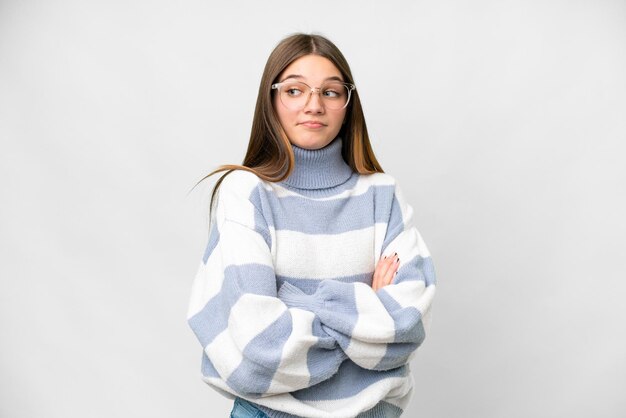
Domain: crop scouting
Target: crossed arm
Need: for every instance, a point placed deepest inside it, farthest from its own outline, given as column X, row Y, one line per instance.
column 262, row 341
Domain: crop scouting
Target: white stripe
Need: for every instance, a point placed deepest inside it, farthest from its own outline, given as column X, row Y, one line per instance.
column 407, row 294
column 405, row 207
column 220, row 386
column 395, row 390
column 239, row 245
column 293, row 370
column 373, row 318
column 426, row 299
column 234, row 193
column 413, row 294
column 427, row 319
column 380, row 228
column 370, row 321
column 324, row 256
column 207, row 284
column 421, row 245
column 407, row 244
column 366, row 355
column 250, row 315
column 362, row 185
column 224, row 348
column 210, row 277
column 401, row 399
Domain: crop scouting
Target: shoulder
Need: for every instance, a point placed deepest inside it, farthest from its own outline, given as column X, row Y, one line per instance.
column 240, row 182
column 236, row 194
column 388, row 190
column 380, row 181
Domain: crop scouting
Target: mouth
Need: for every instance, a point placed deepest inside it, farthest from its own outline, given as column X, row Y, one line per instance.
column 312, row 124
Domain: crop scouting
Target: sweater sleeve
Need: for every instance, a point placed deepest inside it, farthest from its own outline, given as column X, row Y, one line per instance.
column 253, row 344
column 379, row 330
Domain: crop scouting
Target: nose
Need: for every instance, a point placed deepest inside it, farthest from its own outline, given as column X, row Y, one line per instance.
column 314, row 104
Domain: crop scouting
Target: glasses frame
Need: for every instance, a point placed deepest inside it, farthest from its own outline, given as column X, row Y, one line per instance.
column 349, row 86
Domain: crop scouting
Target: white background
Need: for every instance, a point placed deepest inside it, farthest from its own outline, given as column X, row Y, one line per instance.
column 503, row 121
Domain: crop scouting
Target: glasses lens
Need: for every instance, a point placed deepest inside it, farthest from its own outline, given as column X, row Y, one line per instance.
column 295, row 94
column 334, row 95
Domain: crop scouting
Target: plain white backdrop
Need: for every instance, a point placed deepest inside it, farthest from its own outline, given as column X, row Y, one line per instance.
column 504, row 122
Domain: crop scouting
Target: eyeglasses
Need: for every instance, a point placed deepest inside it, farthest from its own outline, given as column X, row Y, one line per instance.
column 334, row 95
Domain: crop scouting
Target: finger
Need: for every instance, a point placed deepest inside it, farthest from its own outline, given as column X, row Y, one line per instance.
column 395, row 271
column 383, row 265
column 387, row 266
column 376, row 280
column 391, row 273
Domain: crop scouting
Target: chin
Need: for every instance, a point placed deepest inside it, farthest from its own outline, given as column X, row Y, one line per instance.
column 313, row 143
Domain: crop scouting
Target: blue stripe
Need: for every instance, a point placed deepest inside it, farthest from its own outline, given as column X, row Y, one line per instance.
column 342, row 313
column 382, row 409
column 252, row 278
column 207, row 368
column 321, row 364
column 408, row 325
column 409, row 332
column 260, row 223
column 395, row 224
column 428, row 268
column 253, row 377
column 214, row 237
column 407, row 321
column 342, row 339
column 330, row 216
column 349, row 381
column 417, row 268
column 396, row 356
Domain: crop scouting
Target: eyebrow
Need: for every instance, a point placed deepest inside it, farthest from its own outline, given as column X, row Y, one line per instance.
column 300, row 76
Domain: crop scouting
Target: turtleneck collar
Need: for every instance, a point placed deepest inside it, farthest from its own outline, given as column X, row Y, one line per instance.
column 319, row 168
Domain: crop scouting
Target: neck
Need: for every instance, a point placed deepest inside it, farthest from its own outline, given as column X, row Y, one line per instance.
column 319, row 168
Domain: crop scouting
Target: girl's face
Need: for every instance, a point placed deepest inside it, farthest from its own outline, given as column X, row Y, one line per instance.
column 314, row 126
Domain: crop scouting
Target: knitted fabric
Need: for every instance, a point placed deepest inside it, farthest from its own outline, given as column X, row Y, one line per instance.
column 282, row 302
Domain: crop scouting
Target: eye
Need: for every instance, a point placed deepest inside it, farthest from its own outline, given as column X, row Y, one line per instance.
column 334, row 91
column 293, row 91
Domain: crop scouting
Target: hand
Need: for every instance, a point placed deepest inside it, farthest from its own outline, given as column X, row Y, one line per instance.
column 385, row 271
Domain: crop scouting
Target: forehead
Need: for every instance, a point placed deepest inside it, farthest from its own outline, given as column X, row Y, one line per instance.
column 313, row 68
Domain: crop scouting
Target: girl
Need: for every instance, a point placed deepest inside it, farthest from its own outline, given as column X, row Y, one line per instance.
column 315, row 288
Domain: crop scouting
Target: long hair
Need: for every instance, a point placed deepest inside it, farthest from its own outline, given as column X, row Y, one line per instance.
column 269, row 154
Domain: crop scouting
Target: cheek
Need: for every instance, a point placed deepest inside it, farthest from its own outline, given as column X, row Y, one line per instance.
column 285, row 116
column 340, row 117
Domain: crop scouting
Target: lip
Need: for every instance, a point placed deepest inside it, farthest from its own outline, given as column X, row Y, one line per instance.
column 313, row 124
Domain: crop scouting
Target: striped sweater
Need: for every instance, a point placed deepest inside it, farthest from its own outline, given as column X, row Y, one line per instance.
column 282, row 302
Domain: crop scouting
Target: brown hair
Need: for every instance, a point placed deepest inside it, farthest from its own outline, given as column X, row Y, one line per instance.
column 269, row 154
